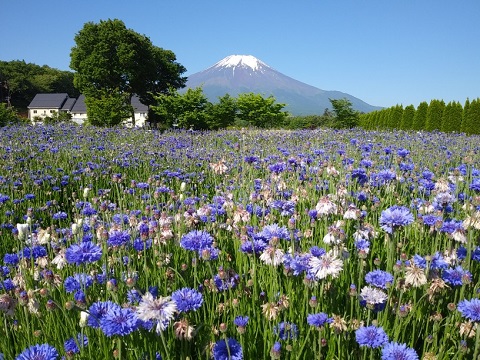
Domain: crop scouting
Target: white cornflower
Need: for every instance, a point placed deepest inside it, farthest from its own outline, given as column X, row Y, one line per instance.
column 325, row 207
column 415, row 276
column 373, row 296
column 161, row 310
column 272, row 256
column 327, row 264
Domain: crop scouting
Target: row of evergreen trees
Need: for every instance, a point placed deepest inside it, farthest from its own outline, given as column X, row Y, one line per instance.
column 437, row 115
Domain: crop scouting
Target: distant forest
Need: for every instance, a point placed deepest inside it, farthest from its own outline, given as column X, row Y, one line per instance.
column 436, row 115
column 21, row 81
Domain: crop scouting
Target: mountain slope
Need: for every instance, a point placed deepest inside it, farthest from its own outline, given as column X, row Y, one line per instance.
column 237, row 74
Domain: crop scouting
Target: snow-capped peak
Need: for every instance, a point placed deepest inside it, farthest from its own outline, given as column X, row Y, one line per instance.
column 241, row 60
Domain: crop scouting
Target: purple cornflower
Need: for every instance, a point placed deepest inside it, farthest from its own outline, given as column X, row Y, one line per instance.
column 395, row 351
column 286, row 330
column 470, row 309
column 318, row 320
column 39, row 352
column 395, row 217
column 119, row 321
column 229, row 349
column 379, row 278
column 457, row 276
column 71, row 345
column 371, row 336
column 85, row 252
column 187, row 299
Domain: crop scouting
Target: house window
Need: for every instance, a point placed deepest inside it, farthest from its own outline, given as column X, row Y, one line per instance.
column 52, row 111
column 34, row 111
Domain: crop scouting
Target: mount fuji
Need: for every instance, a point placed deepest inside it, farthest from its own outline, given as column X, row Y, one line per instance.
column 237, row 74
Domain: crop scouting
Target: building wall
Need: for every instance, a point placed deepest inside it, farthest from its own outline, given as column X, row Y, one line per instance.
column 42, row 113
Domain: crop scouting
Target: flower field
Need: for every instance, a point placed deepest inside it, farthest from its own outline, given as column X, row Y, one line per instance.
column 130, row 244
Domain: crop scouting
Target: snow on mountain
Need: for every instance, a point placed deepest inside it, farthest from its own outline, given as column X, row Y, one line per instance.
column 241, row 60
column 237, row 74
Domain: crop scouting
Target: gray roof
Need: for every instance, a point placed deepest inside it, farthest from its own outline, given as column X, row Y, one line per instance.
column 138, row 106
column 79, row 107
column 48, row 101
column 68, row 104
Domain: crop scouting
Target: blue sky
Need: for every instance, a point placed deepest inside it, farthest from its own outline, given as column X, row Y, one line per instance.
column 385, row 52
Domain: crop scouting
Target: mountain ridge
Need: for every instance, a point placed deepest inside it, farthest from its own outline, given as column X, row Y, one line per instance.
column 237, row 74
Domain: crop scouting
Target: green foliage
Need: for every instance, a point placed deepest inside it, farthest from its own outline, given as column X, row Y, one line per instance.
column 110, row 58
column 466, row 108
column 107, row 109
column 7, row 115
column 21, row 81
column 345, row 116
column 193, row 110
column 420, row 116
column 452, row 117
column 57, row 118
column 259, row 111
column 471, row 121
column 433, row 120
column 222, row 114
column 407, row 118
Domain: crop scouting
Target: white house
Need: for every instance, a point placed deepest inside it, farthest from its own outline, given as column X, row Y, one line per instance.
column 44, row 105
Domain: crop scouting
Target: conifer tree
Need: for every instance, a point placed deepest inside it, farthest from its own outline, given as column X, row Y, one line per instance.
column 420, row 116
column 396, row 114
column 466, row 108
column 452, row 117
column 407, row 118
column 471, row 121
column 433, row 120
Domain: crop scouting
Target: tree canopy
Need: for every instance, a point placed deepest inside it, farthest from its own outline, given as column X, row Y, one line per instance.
column 21, row 81
column 112, row 60
column 346, row 116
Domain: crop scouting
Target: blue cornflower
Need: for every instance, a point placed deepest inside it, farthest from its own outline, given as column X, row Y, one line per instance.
column 71, row 345
column 77, row 282
column 61, row 215
column 286, row 330
column 395, row 351
column 379, row 278
column 187, row 299
column 438, row 262
column 196, row 240
column 134, row 296
column 470, row 309
column 318, row 320
column 118, row 238
column 395, row 217
column 457, row 276
column 11, row 259
column 360, row 174
column 35, row 252
column 119, row 321
column 419, row 261
column 85, row 252
column 476, row 254
column 241, row 321
column 39, row 352
column 371, row 336
column 475, row 185
column 97, row 310
column 273, row 230
column 254, row 246
column 229, row 349
column 430, row 220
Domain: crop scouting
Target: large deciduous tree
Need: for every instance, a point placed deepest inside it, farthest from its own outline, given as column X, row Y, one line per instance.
column 261, row 112
column 111, row 59
column 345, row 116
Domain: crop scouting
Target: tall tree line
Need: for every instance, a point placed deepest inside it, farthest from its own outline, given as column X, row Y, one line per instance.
column 436, row 115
